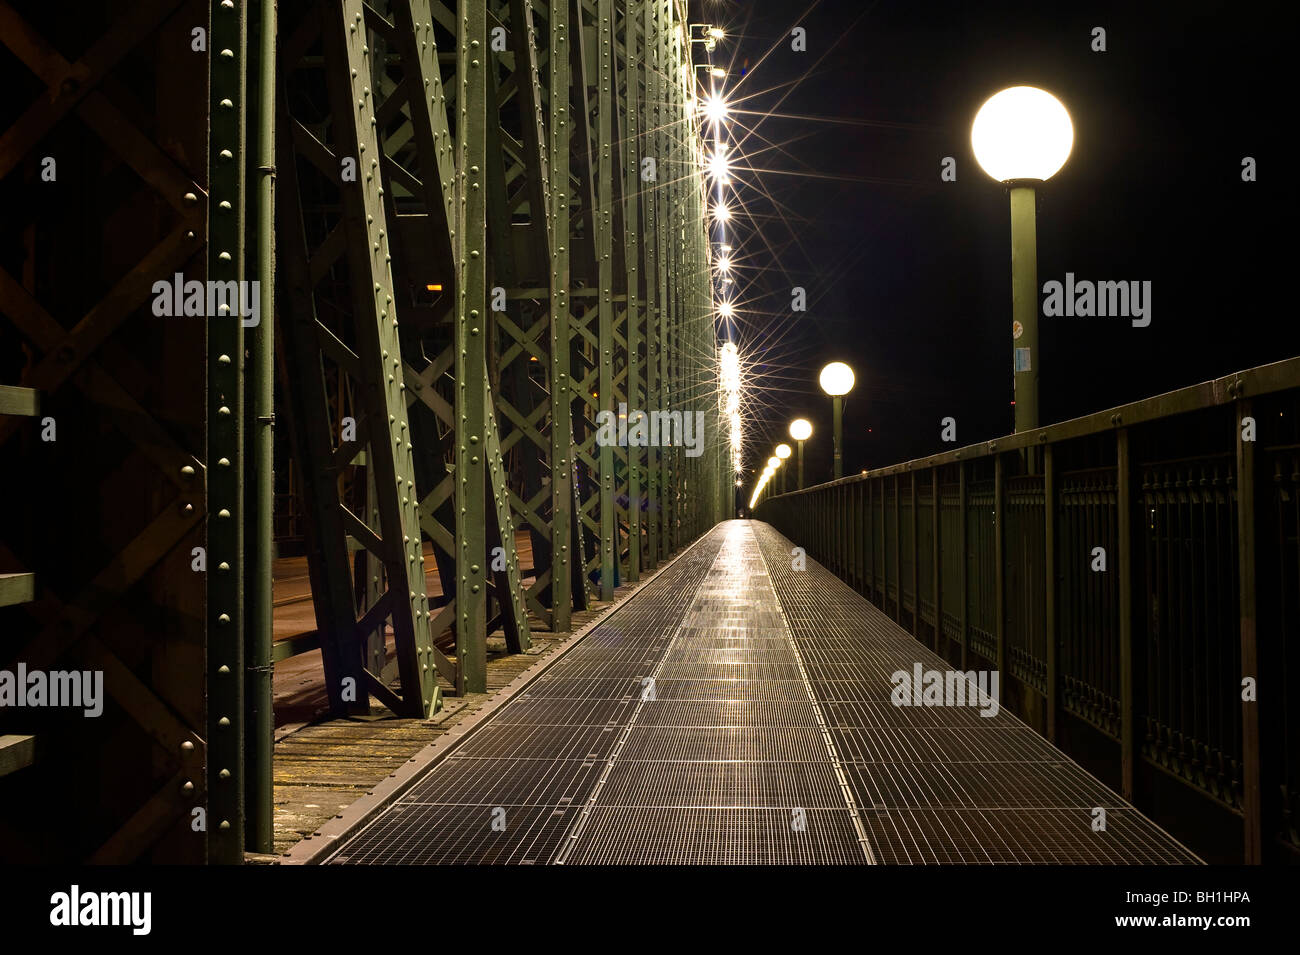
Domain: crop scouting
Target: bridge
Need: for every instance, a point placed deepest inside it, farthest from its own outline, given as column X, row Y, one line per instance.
column 334, row 332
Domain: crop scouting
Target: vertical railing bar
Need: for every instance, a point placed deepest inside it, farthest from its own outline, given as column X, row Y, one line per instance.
column 1049, row 570
column 1124, row 507
column 935, row 568
column 963, row 632
column 1251, row 802
column 916, row 565
column 898, row 553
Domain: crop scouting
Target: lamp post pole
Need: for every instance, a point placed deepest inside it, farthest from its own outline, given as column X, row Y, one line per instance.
column 837, row 416
column 801, row 465
column 1024, row 303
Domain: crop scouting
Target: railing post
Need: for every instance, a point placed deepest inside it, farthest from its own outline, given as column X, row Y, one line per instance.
column 898, row 552
column 935, row 565
column 871, row 539
column 859, row 558
column 1049, row 564
column 962, row 633
column 1127, row 722
column 1251, row 803
column 884, row 551
column 820, row 526
column 846, row 532
column 999, row 570
column 916, row 567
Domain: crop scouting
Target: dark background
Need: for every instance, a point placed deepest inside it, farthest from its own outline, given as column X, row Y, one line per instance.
column 908, row 277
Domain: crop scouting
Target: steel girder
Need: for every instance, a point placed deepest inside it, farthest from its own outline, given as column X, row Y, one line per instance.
column 421, row 165
column 341, row 333
column 107, row 169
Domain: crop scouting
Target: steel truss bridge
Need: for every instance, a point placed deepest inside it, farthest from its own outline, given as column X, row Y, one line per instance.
column 478, row 233
column 474, row 226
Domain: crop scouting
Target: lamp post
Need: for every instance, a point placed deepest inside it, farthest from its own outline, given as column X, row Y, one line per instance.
column 1021, row 137
column 837, row 381
column 783, row 452
column 773, row 466
column 801, row 431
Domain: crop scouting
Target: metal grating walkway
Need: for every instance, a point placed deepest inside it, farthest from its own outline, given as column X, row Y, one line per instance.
column 738, row 711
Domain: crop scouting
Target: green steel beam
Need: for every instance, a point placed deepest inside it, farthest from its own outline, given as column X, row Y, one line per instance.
column 632, row 258
column 259, row 667
column 472, row 408
column 647, row 107
column 566, row 552
column 225, row 443
column 604, row 213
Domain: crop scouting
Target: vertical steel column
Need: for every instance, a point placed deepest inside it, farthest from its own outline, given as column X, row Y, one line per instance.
column 648, row 192
column 564, row 548
column 631, row 261
column 228, row 26
column 663, row 149
column 1049, row 558
column 389, row 452
column 603, row 219
column 1127, row 714
column 471, row 348
column 259, row 807
column 1251, row 789
column 672, row 251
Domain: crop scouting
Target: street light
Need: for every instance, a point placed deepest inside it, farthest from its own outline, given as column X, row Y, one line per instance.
column 801, row 431
column 783, row 452
column 711, row 36
column 1022, row 136
column 837, row 381
column 719, row 164
column 714, row 108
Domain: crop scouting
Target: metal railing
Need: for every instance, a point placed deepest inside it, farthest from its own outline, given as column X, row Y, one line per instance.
column 1140, row 596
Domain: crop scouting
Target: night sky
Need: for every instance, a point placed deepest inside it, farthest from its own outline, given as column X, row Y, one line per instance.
column 908, row 278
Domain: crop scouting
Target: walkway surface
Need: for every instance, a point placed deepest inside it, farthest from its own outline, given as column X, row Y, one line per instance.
column 737, row 710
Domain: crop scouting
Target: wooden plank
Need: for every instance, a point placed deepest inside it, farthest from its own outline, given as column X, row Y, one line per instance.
column 20, row 401
column 17, row 589
column 16, row 752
